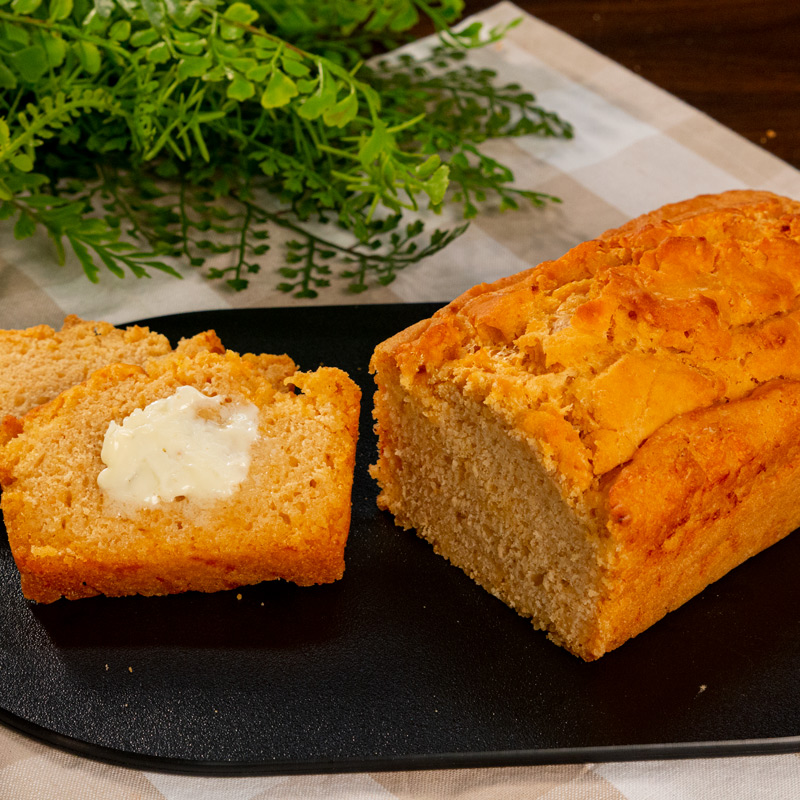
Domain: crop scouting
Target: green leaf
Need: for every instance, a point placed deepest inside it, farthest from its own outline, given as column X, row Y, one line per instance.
column 89, row 267
column 30, row 63
column 69, row 136
column 241, row 12
column 16, row 35
column 280, row 90
column 377, row 142
column 158, row 53
column 216, row 73
column 186, row 37
column 120, row 31
column 193, row 67
column 230, row 31
column 24, row 227
column 23, row 162
column 155, row 12
column 89, row 56
column 240, row 89
column 45, row 201
column 201, row 143
column 110, row 264
column 55, row 50
column 228, row 50
column 405, row 20
column 25, row 6
column 186, row 14
column 428, row 167
column 258, row 73
column 161, row 266
column 26, row 181
column 7, row 78
column 5, row 133
column 209, row 116
column 196, row 48
column 144, row 38
column 319, row 102
column 343, row 112
column 294, row 68
column 95, row 22
column 436, row 186
column 59, row 9
column 243, row 64
column 264, row 48
column 459, row 160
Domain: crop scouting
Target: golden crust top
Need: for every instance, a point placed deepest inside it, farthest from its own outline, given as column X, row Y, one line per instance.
column 693, row 304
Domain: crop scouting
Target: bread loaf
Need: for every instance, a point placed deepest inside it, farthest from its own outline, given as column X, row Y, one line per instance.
column 38, row 363
column 597, row 439
column 287, row 518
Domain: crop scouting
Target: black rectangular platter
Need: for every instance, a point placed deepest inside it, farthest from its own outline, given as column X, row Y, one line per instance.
column 403, row 664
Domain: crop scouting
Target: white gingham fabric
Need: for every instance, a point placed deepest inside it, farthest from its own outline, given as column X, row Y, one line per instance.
column 635, row 148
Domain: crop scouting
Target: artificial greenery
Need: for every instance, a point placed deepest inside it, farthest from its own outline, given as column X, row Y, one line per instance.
column 153, row 134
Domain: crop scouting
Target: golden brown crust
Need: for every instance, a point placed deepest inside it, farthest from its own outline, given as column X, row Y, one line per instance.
column 736, row 199
column 655, row 372
column 205, row 341
column 688, row 306
column 704, row 493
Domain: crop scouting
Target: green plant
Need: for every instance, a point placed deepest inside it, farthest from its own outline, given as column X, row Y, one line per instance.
column 144, row 135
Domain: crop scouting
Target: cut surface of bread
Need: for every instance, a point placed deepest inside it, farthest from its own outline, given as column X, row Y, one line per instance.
column 289, row 517
column 38, row 363
column 597, row 439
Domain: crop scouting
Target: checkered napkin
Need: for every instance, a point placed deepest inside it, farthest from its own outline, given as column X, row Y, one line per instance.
column 635, row 148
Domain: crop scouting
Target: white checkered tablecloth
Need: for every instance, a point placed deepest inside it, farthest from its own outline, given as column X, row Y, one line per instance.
column 635, row 148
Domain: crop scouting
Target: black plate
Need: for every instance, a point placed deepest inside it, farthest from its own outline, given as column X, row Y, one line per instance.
column 405, row 663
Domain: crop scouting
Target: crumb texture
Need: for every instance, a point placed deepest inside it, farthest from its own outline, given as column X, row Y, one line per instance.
column 582, row 370
column 38, row 363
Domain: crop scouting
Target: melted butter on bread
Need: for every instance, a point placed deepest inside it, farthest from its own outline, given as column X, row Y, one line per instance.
column 187, row 445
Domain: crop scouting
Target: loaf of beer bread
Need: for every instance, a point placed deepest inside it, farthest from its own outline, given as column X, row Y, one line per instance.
column 597, row 439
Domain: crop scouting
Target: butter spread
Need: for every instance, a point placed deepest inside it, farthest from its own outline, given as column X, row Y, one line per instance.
column 186, row 445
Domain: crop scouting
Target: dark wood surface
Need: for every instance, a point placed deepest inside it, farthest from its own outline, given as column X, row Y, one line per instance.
column 736, row 60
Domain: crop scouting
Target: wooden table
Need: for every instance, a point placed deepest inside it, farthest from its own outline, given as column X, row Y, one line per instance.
column 736, row 60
